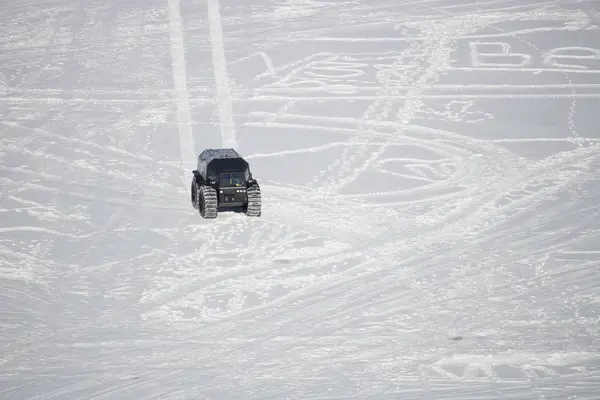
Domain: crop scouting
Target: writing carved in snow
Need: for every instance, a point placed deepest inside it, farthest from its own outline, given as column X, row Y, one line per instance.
column 500, row 55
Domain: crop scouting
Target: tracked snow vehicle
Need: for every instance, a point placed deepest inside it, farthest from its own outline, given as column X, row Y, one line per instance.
column 223, row 182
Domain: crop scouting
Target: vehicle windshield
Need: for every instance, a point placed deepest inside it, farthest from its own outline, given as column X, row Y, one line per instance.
column 231, row 179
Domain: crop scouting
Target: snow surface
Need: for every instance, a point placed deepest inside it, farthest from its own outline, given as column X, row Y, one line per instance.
column 430, row 175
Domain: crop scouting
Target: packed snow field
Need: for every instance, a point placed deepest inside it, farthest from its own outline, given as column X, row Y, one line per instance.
column 430, row 173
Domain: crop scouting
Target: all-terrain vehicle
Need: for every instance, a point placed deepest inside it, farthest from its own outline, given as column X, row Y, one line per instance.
column 222, row 182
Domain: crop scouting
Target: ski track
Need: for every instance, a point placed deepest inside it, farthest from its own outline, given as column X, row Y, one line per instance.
column 415, row 242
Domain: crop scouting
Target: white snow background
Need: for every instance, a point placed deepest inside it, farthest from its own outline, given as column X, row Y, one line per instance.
column 430, row 177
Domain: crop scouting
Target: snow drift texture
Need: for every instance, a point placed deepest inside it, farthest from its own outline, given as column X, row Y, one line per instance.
column 429, row 173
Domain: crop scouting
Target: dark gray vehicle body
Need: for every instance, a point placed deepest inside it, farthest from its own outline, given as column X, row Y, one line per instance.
column 228, row 173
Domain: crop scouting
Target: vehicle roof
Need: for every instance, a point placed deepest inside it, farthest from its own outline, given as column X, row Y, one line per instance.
column 212, row 154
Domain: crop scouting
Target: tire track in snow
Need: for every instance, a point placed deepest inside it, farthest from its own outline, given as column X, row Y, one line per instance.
column 228, row 135
column 306, row 316
column 182, row 98
column 351, row 296
column 186, row 141
column 300, row 214
column 479, row 208
column 376, row 112
column 155, row 297
column 438, row 46
column 468, row 206
column 296, row 307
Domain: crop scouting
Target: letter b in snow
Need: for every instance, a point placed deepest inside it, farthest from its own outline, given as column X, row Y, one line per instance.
column 496, row 54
